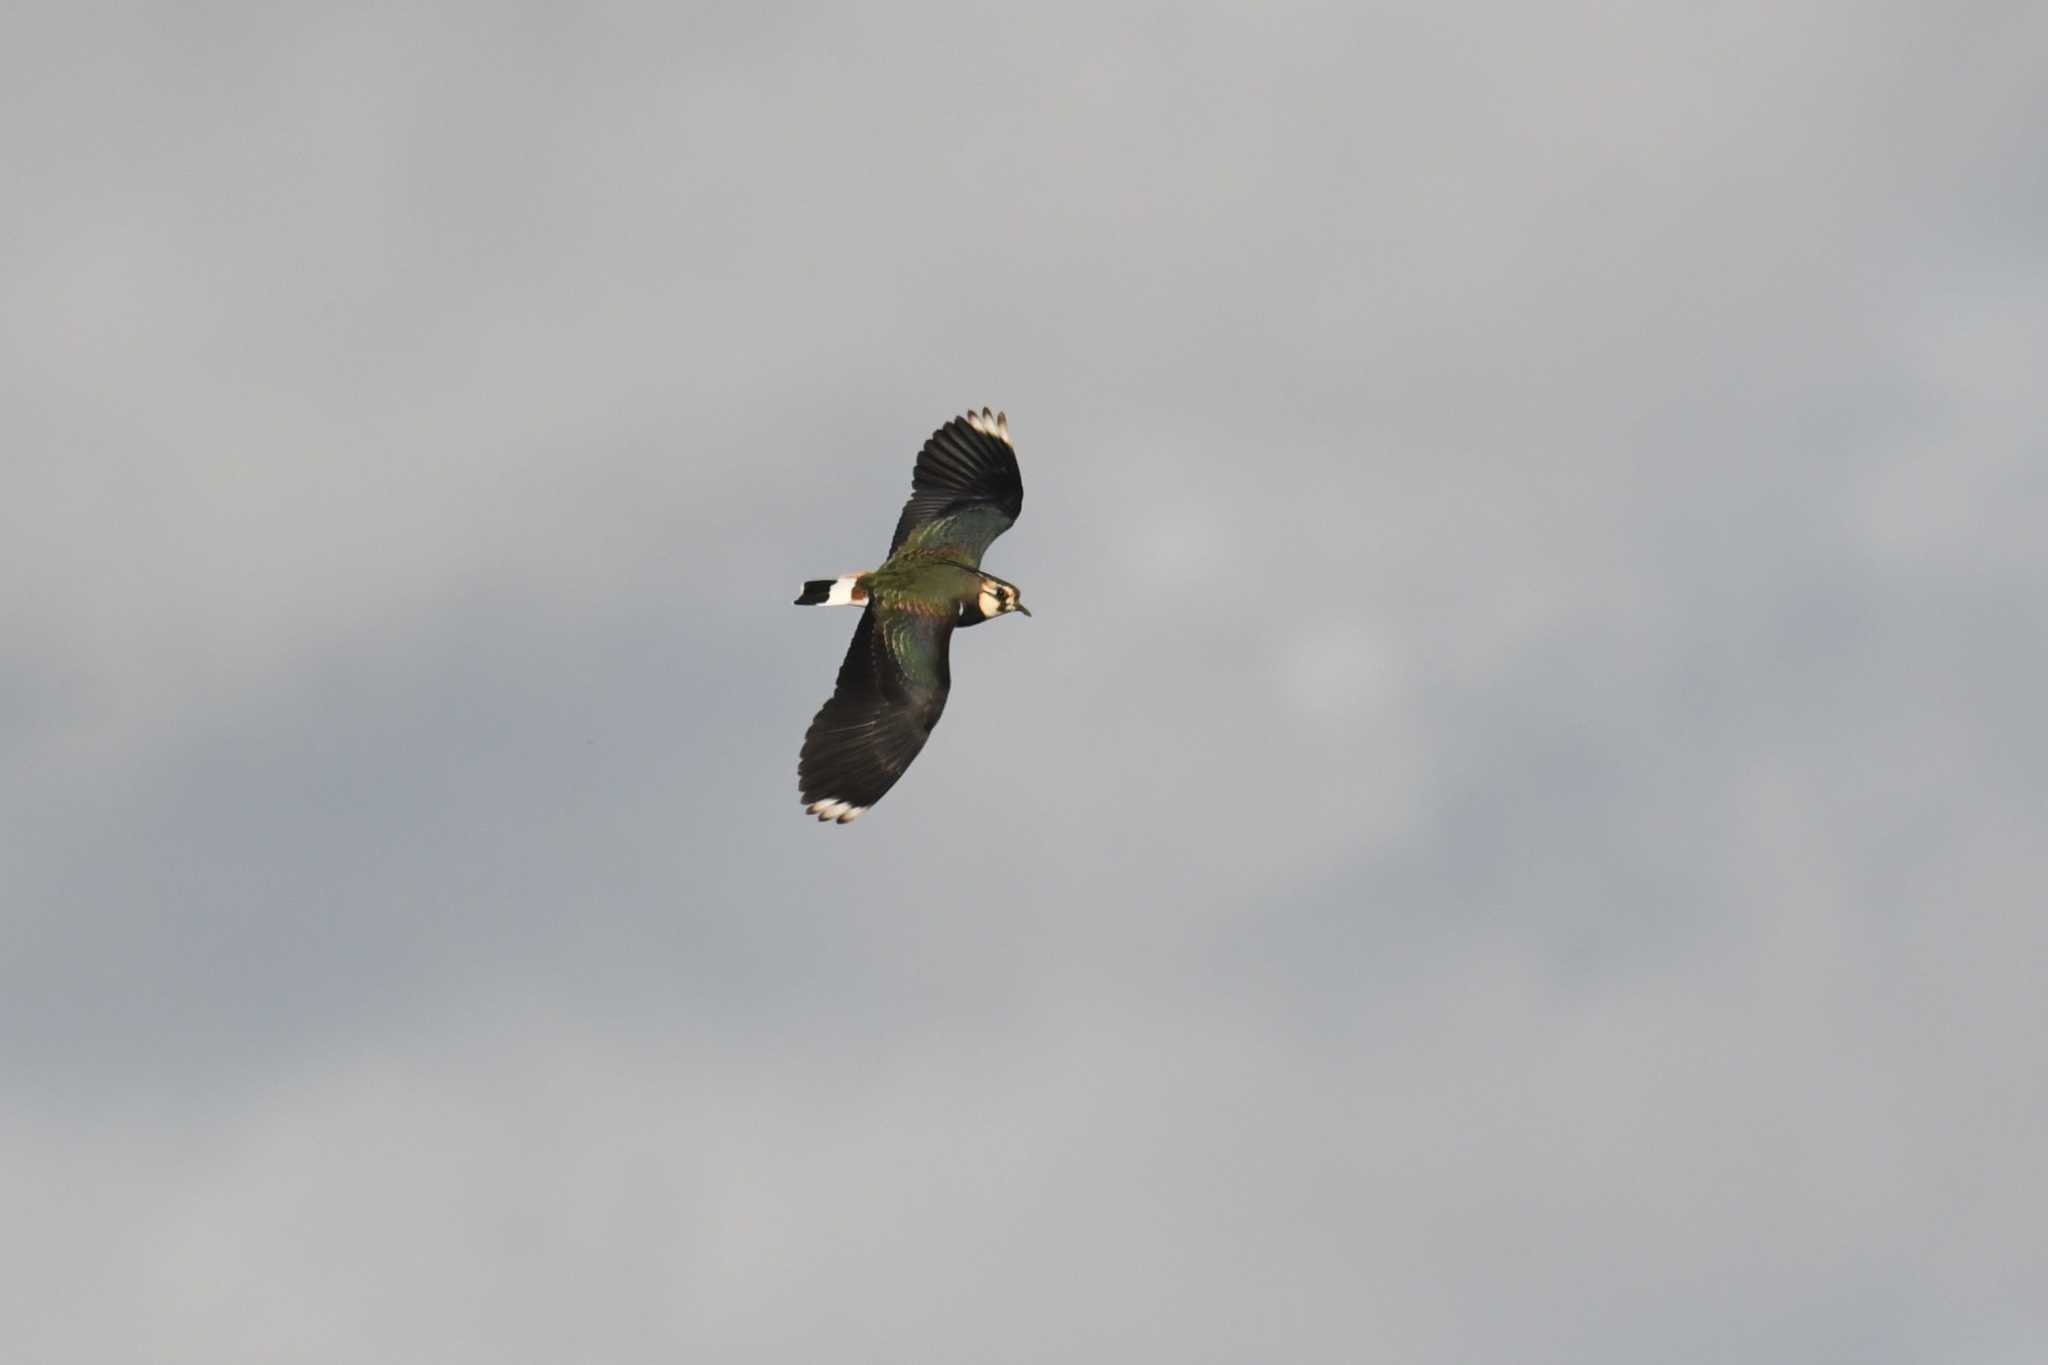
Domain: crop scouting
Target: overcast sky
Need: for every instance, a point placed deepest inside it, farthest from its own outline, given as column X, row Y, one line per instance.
column 1514, row 834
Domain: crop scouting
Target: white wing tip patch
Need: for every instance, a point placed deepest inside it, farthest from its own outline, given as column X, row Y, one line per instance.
column 990, row 424
column 830, row 809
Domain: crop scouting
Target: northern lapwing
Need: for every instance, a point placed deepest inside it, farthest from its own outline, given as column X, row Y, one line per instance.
column 964, row 493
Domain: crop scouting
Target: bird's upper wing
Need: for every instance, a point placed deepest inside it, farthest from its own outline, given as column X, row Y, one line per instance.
column 965, row 491
column 891, row 690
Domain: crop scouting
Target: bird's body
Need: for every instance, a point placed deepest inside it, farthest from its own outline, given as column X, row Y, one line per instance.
column 892, row 687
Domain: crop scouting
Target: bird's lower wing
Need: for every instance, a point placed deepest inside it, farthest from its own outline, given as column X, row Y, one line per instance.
column 892, row 688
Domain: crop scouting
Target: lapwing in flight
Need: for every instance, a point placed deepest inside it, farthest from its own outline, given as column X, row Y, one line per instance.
column 964, row 493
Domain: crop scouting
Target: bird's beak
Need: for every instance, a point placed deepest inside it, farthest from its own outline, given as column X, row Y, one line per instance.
column 1021, row 607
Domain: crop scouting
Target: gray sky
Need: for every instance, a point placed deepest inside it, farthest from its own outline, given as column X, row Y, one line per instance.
column 1514, row 833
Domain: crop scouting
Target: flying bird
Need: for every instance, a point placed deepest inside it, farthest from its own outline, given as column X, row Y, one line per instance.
column 892, row 687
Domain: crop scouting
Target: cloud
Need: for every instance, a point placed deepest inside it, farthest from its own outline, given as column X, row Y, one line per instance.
column 1509, row 833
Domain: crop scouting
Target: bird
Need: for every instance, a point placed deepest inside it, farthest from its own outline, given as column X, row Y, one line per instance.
column 964, row 492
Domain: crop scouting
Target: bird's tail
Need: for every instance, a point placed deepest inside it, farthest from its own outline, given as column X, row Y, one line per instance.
column 849, row 591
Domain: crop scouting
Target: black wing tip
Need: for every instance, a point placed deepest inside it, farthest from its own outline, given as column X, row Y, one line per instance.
column 840, row 765
column 816, row 590
column 969, row 460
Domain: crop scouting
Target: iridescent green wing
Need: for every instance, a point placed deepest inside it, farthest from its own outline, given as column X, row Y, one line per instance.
column 892, row 688
column 965, row 491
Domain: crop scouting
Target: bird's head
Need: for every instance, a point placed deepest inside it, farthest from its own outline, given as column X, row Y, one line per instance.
column 999, row 597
